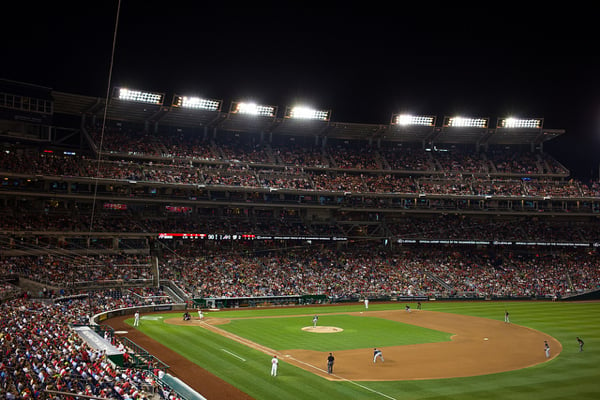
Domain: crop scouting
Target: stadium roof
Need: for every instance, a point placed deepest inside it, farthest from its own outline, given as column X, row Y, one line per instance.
column 25, row 89
column 121, row 110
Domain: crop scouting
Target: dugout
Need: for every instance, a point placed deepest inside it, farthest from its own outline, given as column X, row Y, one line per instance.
column 97, row 342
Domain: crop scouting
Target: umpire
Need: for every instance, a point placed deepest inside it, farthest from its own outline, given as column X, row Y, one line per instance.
column 330, row 361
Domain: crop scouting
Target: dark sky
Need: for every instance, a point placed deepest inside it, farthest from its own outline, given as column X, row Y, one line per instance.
column 364, row 62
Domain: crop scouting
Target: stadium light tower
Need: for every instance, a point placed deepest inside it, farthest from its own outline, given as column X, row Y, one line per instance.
column 304, row 112
column 465, row 122
column 253, row 109
column 139, row 96
column 196, row 103
column 520, row 123
column 413, row 120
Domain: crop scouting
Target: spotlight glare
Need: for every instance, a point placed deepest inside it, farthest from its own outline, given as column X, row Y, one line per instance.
column 139, row 96
column 462, row 122
column 254, row 109
column 406, row 119
column 532, row 123
column 197, row 103
column 302, row 112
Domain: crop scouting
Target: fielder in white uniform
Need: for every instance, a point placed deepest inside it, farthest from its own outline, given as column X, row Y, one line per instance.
column 274, row 364
column 136, row 320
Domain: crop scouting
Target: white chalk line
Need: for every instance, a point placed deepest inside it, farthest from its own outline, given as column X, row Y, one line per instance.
column 342, row 378
column 233, row 354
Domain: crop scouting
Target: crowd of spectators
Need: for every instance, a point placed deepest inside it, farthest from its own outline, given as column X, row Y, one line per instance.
column 354, row 273
column 64, row 271
column 341, row 271
column 8, row 290
column 344, row 154
column 234, row 174
column 350, row 167
column 435, row 226
column 43, row 358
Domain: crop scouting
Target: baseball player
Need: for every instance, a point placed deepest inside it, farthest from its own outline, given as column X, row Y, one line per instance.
column 200, row 315
column 366, row 304
column 315, row 320
column 377, row 354
column 330, row 361
column 136, row 319
column 547, row 349
column 506, row 317
column 274, row 365
column 580, row 344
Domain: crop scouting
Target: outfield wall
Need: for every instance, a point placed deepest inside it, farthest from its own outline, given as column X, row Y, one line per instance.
column 307, row 300
column 103, row 316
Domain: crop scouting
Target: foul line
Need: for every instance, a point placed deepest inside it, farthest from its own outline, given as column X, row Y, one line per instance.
column 342, row 378
column 235, row 355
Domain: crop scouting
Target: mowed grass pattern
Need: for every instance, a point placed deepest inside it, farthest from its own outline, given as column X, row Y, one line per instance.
column 570, row 375
column 359, row 332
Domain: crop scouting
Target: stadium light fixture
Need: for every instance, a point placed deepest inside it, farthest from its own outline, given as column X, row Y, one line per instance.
column 196, row 103
column 528, row 123
column 412, row 120
column 253, row 109
column 139, row 96
column 464, row 122
column 303, row 112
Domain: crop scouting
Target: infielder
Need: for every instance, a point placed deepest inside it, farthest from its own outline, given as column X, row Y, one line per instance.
column 547, row 349
column 377, row 353
column 315, row 319
column 136, row 320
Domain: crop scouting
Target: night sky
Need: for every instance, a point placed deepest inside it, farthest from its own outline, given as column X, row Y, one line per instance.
column 364, row 62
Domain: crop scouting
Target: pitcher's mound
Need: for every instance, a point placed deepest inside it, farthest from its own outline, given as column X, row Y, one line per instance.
column 322, row 329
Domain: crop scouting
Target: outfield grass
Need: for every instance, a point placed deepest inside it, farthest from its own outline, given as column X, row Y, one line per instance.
column 570, row 375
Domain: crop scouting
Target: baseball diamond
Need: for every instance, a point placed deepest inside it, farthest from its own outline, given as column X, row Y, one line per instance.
column 478, row 346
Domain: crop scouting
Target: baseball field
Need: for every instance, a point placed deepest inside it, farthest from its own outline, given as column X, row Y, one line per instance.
column 447, row 350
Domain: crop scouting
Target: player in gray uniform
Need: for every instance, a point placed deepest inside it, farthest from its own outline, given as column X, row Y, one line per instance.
column 377, row 354
column 580, row 342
